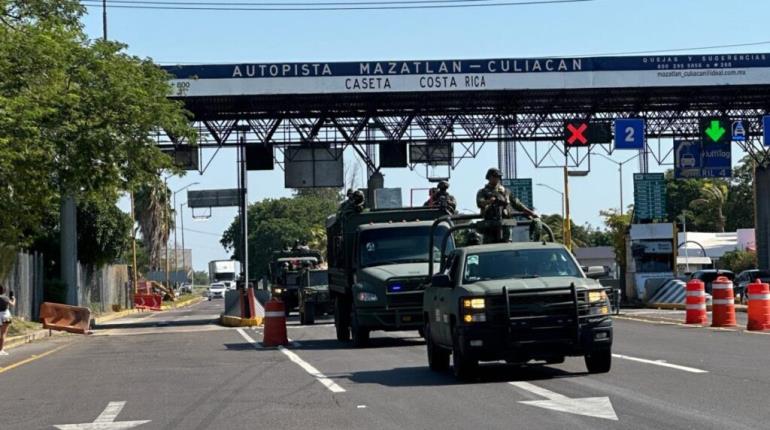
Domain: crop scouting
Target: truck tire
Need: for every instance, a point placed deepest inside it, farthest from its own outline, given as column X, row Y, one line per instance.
column 599, row 361
column 341, row 320
column 463, row 367
column 359, row 335
column 307, row 316
column 438, row 358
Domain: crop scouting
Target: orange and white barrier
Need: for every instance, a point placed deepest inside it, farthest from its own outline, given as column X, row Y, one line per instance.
column 275, row 324
column 722, row 303
column 695, row 302
column 759, row 306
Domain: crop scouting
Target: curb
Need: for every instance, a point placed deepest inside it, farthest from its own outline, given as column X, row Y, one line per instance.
column 229, row 321
column 681, row 307
column 13, row 342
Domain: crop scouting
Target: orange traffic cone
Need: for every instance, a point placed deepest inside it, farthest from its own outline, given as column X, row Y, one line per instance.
column 695, row 302
column 723, row 303
column 275, row 324
column 759, row 306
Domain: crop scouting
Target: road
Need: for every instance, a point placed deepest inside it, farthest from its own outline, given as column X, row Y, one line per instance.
column 179, row 370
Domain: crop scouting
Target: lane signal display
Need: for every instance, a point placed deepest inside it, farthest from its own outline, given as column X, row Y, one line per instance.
column 582, row 133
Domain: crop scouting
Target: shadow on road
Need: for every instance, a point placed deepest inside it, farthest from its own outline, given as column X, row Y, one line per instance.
column 156, row 323
column 374, row 343
column 487, row 373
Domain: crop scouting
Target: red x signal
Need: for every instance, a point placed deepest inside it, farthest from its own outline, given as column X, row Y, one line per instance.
column 577, row 134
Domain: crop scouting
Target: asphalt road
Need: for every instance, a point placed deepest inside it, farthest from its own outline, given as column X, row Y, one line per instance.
column 179, row 370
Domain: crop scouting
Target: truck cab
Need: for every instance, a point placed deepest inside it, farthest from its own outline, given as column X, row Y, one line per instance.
column 314, row 296
column 378, row 266
column 515, row 301
column 286, row 269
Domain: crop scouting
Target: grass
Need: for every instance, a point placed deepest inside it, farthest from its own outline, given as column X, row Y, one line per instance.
column 20, row 327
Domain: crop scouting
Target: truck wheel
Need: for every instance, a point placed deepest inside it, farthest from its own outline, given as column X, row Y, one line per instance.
column 438, row 358
column 463, row 367
column 308, row 317
column 341, row 323
column 599, row 361
column 359, row 335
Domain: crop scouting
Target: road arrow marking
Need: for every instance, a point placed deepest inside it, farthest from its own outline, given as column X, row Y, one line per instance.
column 715, row 131
column 597, row 407
column 105, row 420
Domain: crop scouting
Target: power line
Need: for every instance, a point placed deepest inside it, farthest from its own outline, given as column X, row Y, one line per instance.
column 385, row 6
column 202, row 232
column 282, row 4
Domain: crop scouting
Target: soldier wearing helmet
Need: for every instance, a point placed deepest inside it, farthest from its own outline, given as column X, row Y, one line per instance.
column 440, row 198
column 496, row 203
column 353, row 204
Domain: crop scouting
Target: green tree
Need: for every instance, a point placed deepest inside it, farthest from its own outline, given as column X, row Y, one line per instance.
column 77, row 116
column 200, row 277
column 103, row 232
column 617, row 225
column 738, row 261
column 276, row 223
column 582, row 235
column 708, row 209
column 739, row 207
column 152, row 208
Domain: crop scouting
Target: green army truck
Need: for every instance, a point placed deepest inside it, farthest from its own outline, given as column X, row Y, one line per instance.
column 314, row 298
column 285, row 270
column 378, row 266
column 515, row 301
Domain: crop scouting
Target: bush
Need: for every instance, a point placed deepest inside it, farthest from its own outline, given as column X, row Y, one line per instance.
column 738, row 261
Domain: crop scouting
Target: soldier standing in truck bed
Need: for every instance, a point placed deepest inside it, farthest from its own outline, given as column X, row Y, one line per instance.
column 353, row 204
column 497, row 203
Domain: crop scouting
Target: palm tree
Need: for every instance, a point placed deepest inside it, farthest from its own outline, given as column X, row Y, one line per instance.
column 155, row 217
column 713, row 198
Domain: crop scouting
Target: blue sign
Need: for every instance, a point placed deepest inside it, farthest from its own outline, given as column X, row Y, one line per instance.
column 694, row 159
column 629, row 134
column 766, row 129
column 739, row 131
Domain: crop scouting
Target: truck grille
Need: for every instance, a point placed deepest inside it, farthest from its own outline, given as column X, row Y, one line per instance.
column 404, row 293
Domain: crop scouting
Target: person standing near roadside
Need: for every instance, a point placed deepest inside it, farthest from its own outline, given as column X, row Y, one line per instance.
column 6, row 301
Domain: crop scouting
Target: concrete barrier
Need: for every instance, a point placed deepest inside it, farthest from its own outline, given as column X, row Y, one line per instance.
column 72, row 319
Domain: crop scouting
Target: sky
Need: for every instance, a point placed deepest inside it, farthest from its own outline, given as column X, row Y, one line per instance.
column 598, row 27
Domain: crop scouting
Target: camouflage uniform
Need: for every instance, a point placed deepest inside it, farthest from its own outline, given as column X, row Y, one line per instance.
column 354, row 204
column 504, row 207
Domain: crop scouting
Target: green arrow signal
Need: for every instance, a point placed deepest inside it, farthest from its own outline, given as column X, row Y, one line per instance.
column 716, row 131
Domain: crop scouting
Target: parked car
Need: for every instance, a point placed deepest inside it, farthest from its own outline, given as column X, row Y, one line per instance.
column 217, row 291
column 185, row 288
column 709, row 275
column 745, row 278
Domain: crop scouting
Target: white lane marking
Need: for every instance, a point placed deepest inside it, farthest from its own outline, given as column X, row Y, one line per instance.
column 598, row 407
column 307, row 367
column 361, row 407
column 105, row 420
column 661, row 363
column 249, row 339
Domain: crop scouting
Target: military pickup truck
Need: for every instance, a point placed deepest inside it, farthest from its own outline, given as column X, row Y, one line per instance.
column 515, row 301
column 285, row 270
column 378, row 266
column 314, row 298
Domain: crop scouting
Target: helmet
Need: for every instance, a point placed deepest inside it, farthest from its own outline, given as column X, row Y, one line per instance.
column 349, row 193
column 494, row 172
column 358, row 196
column 443, row 185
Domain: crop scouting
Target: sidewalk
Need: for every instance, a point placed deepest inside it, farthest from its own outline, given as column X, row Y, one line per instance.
column 40, row 334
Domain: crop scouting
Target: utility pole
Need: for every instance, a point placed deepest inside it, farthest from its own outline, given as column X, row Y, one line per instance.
column 104, row 19
column 567, row 227
column 135, row 275
column 184, row 254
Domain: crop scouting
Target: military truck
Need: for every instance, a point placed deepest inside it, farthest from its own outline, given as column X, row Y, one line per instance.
column 515, row 301
column 285, row 269
column 314, row 298
column 378, row 266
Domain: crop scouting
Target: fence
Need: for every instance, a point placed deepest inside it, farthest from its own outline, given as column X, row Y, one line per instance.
column 100, row 289
column 25, row 279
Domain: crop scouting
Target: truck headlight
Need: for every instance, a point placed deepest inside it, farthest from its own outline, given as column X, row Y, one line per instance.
column 277, row 290
column 366, row 297
column 474, row 303
column 597, row 296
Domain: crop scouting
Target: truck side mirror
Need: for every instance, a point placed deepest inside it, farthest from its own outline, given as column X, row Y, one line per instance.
column 441, row 280
column 596, row 272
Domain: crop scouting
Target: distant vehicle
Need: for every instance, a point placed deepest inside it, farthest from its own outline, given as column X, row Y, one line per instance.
column 217, row 291
column 314, row 296
column 709, row 275
column 747, row 277
column 285, row 270
column 687, row 160
column 185, row 288
column 223, row 270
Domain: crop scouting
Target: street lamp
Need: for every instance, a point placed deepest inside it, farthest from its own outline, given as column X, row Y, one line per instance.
column 184, row 254
column 176, row 250
column 556, row 191
column 620, row 175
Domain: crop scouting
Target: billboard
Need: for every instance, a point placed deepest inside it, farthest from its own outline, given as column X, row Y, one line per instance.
column 313, row 167
column 244, row 79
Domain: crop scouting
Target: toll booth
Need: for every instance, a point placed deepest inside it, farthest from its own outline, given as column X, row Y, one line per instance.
column 651, row 254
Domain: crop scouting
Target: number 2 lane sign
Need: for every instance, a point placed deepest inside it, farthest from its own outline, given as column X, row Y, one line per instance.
column 629, row 134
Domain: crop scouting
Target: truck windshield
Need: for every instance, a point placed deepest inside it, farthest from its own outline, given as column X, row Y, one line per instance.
column 400, row 245
column 318, row 278
column 513, row 264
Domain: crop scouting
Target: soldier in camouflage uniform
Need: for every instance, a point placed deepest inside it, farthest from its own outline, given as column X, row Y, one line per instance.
column 353, row 204
column 440, row 198
column 497, row 203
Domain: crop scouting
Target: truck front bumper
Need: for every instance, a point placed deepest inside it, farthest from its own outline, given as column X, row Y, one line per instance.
column 380, row 318
column 494, row 342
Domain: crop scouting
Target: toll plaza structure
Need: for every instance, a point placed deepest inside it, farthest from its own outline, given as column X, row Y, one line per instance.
column 555, row 112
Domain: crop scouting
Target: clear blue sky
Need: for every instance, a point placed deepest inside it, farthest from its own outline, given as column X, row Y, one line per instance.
column 598, row 27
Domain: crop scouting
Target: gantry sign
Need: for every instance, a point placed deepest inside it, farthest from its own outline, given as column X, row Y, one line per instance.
column 452, row 108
